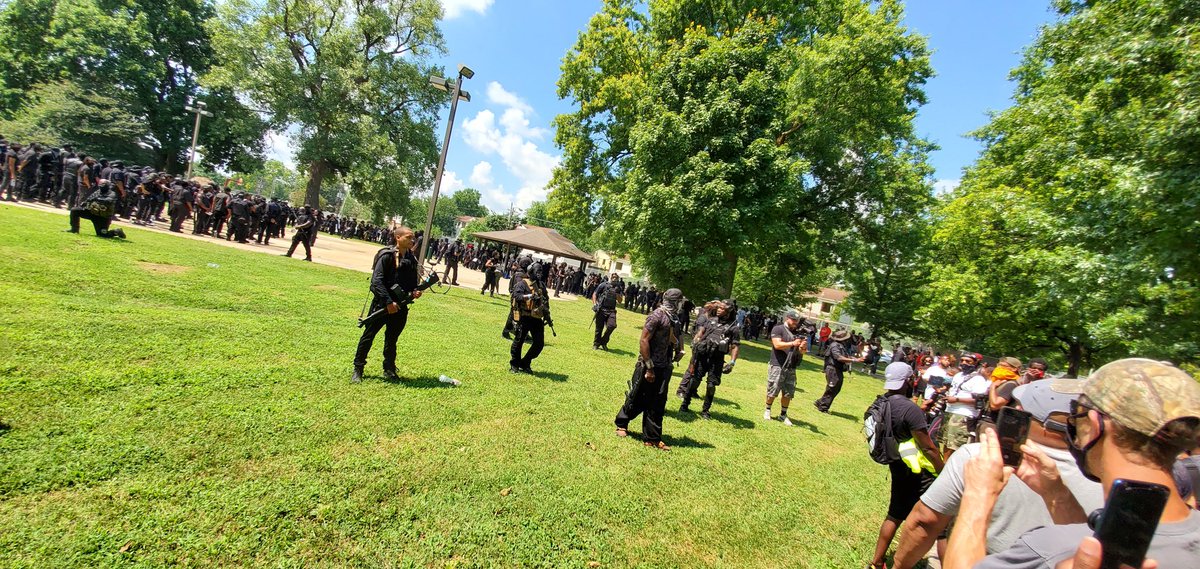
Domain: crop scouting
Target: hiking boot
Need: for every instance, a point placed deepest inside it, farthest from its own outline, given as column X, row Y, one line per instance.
column 119, row 232
column 356, row 377
column 390, row 375
column 705, row 415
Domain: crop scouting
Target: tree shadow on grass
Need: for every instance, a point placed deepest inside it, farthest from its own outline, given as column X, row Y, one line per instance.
column 686, row 442
column 551, row 375
column 690, row 416
column 427, row 382
column 843, row 415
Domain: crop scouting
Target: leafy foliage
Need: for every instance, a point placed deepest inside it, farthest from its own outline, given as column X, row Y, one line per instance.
column 1075, row 230
column 709, row 136
column 353, row 75
column 65, row 114
column 146, row 55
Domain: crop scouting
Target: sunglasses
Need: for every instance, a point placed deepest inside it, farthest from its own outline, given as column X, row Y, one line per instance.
column 1079, row 410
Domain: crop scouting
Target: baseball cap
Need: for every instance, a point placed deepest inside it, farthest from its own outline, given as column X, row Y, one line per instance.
column 793, row 314
column 895, row 375
column 1043, row 398
column 1143, row 395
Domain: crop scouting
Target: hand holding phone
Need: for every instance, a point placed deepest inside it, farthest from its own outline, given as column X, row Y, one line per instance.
column 1128, row 521
column 1012, row 428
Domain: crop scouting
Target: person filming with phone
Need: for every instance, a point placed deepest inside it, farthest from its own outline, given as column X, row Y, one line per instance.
column 1125, row 430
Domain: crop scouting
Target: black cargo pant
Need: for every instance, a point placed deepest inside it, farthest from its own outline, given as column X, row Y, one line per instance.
column 300, row 238
column 708, row 367
column 394, row 324
column 99, row 223
column 606, row 322
column 648, row 399
column 833, row 385
column 531, row 329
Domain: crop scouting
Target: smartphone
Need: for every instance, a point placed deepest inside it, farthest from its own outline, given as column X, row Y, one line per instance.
column 1012, row 427
column 1130, row 517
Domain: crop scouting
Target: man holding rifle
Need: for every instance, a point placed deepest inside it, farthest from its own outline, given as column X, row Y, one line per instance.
column 787, row 349
column 531, row 315
column 393, row 284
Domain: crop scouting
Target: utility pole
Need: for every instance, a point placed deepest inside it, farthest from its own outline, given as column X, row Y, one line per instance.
column 199, row 110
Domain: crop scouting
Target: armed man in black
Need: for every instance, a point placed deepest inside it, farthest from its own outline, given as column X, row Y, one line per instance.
column 837, row 357
column 393, row 266
column 99, row 208
column 714, row 339
column 660, row 347
column 604, row 304
column 306, row 224
column 531, row 314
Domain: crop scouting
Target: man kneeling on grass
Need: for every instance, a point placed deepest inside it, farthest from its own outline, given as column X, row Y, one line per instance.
column 661, row 346
column 99, row 208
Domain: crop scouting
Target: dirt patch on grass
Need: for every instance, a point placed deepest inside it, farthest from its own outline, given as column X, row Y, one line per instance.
column 162, row 269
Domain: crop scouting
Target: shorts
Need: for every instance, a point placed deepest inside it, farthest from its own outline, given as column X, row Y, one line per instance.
column 780, row 380
column 907, row 488
column 954, row 432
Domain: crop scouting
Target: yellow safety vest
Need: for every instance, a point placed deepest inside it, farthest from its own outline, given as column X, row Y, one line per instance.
column 914, row 458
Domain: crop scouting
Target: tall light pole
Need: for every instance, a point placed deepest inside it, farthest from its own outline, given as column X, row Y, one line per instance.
column 199, row 110
column 464, row 72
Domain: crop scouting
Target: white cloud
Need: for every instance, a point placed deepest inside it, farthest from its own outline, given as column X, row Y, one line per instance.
column 280, row 147
column 942, row 187
column 497, row 94
column 511, row 138
column 450, row 183
column 456, row 8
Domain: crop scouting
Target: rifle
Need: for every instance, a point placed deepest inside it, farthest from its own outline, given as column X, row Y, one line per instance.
column 550, row 323
column 406, row 298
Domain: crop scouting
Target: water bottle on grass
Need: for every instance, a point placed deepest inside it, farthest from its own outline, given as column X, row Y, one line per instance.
column 447, row 379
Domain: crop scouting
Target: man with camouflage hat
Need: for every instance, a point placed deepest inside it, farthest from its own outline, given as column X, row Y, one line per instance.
column 1132, row 420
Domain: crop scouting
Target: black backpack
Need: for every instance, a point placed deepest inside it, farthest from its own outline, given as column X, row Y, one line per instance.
column 877, row 428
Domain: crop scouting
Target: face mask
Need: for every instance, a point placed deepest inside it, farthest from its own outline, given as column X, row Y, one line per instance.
column 968, row 368
column 1080, row 454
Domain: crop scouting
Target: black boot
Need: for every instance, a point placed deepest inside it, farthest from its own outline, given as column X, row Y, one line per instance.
column 357, row 376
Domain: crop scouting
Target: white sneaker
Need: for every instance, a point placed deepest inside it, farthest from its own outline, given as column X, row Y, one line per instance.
column 787, row 422
column 767, row 415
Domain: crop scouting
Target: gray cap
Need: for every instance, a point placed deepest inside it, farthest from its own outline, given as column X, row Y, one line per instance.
column 1042, row 398
column 793, row 314
column 895, row 375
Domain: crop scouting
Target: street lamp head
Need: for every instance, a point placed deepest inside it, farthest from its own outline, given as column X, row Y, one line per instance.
column 439, row 82
column 464, row 95
column 465, row 71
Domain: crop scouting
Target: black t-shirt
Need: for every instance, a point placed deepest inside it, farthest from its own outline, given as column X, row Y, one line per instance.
column 779, row 356
column 660, row 326
column 836, row 350
column 385, row 274
column 906, row 417
column 606, row 295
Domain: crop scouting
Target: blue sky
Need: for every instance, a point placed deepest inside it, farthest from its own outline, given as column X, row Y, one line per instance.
column 503, row 143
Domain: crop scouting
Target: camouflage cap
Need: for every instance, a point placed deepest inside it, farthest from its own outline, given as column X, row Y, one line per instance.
column 1143, row 395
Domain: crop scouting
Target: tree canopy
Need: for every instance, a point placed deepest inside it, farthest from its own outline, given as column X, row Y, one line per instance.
column 352, row 75
column 1076, row 230
column 708, row 134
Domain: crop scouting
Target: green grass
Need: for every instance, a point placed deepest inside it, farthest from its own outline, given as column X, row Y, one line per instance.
column 167, row 412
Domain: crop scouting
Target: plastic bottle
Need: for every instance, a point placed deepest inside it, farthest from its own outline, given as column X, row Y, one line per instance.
column 447, row 379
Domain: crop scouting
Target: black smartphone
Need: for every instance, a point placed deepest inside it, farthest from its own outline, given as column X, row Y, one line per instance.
column 1130, row 517
column 1012, row 427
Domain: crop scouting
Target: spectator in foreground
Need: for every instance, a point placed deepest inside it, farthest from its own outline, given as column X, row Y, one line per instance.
column 1134, row 418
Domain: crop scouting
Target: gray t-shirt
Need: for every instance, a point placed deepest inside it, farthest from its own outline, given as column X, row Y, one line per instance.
column 1174, row 546
column 1018, row 509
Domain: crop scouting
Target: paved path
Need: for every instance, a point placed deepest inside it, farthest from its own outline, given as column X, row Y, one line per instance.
column 330, row 250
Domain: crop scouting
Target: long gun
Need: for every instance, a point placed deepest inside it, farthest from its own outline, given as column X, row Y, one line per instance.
column 406, row 298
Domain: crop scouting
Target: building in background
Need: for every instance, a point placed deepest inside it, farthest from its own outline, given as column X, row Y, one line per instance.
column 623, row 266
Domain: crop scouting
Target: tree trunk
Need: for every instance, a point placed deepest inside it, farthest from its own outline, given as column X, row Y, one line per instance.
column 1074, row 358
column 725, row 287
column 316, row 174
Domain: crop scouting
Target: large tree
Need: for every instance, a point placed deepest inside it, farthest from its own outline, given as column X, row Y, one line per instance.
column 146, row 55
column 710, row 135
column 1076, row 228
column 352, row 75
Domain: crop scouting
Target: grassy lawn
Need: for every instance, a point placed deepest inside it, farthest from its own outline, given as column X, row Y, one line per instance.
column 174, row 402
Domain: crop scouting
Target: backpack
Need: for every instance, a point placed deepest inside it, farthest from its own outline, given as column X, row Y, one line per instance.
column 102, row 204
column 877, row 428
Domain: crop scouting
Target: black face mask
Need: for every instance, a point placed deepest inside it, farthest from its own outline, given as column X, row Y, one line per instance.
column 968, row 368
column 1080, row 453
